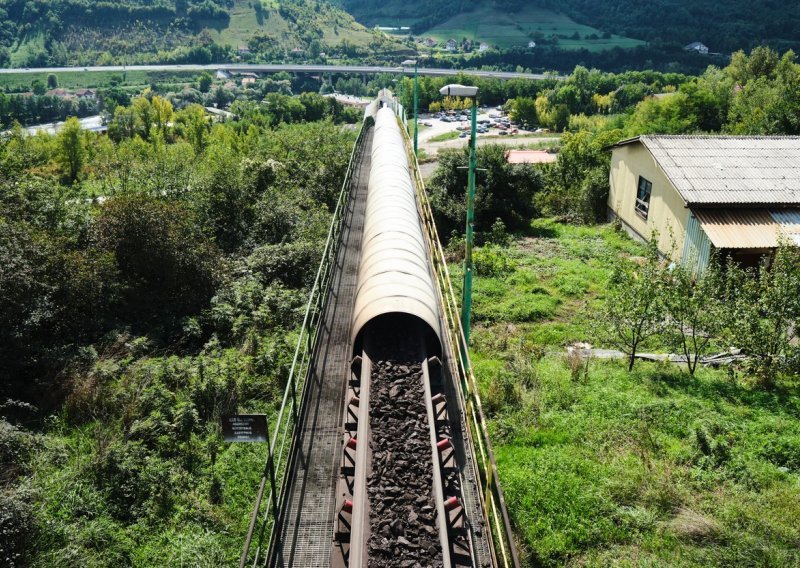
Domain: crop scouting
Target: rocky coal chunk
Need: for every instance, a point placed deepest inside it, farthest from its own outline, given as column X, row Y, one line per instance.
column 399, row 489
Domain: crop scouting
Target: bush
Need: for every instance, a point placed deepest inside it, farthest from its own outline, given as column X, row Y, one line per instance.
column 168, row 266
column 493, row 261
column 17, row 528
column 502, row 191
column 15, row 449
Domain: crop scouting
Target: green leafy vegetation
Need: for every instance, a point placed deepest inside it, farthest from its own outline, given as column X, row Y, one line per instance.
column 182, row 31
column 151, row 281
column 601, row 466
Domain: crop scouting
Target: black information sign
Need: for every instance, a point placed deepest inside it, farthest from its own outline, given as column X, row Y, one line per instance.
column 245, row 428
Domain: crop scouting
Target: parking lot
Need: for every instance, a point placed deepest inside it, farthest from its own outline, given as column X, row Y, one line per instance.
column 490, row 122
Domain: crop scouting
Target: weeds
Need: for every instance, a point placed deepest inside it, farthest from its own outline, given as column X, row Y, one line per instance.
column 610, row 468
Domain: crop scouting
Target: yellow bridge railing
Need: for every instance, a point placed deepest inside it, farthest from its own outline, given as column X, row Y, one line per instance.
column 504, row 550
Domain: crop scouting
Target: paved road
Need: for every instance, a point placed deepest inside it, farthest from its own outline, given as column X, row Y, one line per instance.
column 238, row 67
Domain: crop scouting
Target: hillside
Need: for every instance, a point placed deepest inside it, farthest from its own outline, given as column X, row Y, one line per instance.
column 505, row 29
column 78, row 32
column 723, row 26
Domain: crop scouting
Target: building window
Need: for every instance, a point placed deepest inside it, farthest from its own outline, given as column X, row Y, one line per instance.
column 643, row 197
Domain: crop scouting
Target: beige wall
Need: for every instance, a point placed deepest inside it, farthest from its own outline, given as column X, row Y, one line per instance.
column 666, row 205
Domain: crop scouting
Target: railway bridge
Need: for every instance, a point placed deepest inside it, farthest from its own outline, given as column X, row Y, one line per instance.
column 379, row 455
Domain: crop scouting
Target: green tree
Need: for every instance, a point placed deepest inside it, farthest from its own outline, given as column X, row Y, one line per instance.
column 162, row 114
column 577, row 184
column 52, row 81
column 71, row 150
column 204, row 82
column 502, row 190
column 694, row 310
column 764, row 308
column 523, row 110
column 168, row 267
column 195, row 126
column 634, row 307
column 144, row 116
column 123, row 125
column 38, row 87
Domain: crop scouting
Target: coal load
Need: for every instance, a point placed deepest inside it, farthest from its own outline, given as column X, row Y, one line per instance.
column 403, row 530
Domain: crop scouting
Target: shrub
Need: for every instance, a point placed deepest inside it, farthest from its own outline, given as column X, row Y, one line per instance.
column 15, row 449
column 493, row 261
column 502, row 393
column 17, row 528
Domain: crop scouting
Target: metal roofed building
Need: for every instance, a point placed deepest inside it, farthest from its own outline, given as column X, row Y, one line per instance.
column 737, row 194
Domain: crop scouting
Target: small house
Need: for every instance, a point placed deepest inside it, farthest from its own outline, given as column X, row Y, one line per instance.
column 531, row 44
column 451, row 45
column 483, row 47
column 698, row 47
column 739, row 195
column 86, row 94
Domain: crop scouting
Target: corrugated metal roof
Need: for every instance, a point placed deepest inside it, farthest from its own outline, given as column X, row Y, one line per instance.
column 739, row 228
column 737, row 170
column 750, row 228
column 789, row 220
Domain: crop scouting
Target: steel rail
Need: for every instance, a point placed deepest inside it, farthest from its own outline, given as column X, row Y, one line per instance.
column 306, row 340
column 359, row 532
column 438, row 488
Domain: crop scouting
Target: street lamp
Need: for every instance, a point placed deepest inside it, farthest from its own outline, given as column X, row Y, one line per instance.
column 416, row 97
column 466, row 297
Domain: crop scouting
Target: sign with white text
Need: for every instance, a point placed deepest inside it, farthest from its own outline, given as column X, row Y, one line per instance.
column 245, row 428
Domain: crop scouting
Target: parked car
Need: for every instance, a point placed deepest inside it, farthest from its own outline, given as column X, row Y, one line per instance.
column 463, row 135
column 503, row 133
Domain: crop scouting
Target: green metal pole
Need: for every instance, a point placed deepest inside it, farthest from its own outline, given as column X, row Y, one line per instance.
column 416, row 103
column 403, row 97
column 466, row 299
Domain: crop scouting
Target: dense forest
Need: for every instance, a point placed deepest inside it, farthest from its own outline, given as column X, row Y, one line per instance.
column 149, row 282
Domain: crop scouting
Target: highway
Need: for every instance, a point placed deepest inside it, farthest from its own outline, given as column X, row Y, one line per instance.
column 275, row 68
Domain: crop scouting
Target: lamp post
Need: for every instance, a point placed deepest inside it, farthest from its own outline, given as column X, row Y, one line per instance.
column 416, row 98
column 466, row 297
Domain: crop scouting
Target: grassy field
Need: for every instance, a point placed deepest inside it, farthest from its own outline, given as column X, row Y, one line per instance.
column 504, row 29
column 450, row 135
column 602, row 467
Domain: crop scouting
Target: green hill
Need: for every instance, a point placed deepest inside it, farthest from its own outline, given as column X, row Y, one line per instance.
column 82, row 32
column 504, row 29
column 722, row 26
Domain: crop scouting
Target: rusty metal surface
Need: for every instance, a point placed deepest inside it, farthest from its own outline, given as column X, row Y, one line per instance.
column 739, row 228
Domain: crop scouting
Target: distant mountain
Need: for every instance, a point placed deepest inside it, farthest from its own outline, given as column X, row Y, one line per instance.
column 722, row 25
column 84, row 32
